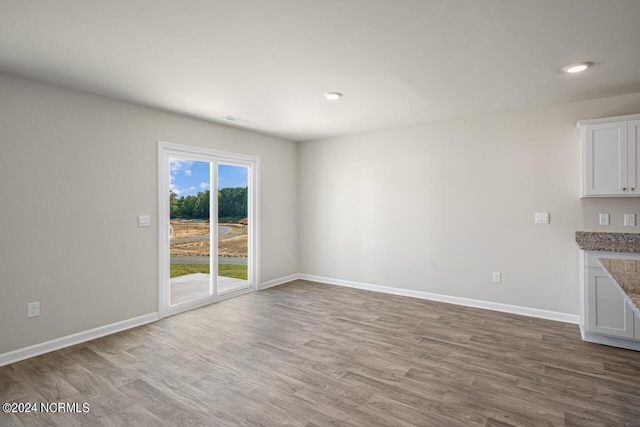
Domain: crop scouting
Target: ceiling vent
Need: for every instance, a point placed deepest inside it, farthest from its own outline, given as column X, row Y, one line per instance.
column 237, row 120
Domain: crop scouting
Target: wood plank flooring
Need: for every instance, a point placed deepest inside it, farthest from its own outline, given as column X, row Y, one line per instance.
column 306, row 354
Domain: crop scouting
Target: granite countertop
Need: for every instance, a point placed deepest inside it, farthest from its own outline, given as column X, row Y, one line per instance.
column 610, row 242
column 626, row 273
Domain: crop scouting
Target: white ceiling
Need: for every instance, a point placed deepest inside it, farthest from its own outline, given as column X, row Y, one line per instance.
column 398, row 62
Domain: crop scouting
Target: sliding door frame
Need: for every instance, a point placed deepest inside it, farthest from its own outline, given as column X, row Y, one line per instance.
column 167, row 150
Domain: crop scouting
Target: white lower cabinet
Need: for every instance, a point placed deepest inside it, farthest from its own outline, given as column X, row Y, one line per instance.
column 607, row 310
column 606, row 316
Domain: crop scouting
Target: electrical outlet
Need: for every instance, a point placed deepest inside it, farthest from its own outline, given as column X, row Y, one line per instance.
column 33, row 309
column 630, row 219
column 497, row 277
column 604, row 219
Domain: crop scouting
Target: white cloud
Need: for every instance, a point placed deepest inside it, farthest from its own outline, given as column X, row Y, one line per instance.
column 204, row 185
column 174, row 189
column 187, row 172
column 192, row 188
column 177, row 164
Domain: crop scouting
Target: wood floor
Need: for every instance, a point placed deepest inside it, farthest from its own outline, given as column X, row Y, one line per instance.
column 305, row 354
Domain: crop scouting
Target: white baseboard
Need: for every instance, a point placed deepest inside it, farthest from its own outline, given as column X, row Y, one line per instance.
column 495, row 306
column 80, row 337
column 279, row 281
column 69, row 340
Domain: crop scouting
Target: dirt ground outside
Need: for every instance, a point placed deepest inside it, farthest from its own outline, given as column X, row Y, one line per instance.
column 191, row 238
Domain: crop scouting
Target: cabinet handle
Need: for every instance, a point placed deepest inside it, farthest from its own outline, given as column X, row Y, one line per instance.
column 624, row 188
column 633, row 189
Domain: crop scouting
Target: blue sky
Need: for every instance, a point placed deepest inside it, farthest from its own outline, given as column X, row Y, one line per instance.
column 188, row 177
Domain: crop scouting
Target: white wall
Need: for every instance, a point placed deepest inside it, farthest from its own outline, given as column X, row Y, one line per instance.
column 433, row 208
column 75, row 171
column 437, row 208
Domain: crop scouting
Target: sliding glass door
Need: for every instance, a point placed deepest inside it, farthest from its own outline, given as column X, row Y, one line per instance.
column 208, row 234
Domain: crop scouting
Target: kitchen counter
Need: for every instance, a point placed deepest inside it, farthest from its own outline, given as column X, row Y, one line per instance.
column 610, row 242
column 626, row 274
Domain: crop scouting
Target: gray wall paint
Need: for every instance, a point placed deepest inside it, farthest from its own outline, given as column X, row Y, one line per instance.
column 439, row 207
column 75, row 171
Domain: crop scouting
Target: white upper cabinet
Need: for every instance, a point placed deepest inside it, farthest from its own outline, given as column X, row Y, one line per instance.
column 610, row 156
column 633, row 155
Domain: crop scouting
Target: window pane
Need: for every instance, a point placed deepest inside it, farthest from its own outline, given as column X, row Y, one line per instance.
column 233, row 226
column 190, row 247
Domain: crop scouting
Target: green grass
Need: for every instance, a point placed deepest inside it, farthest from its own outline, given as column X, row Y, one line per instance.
column 178, row 270
column 236, row 271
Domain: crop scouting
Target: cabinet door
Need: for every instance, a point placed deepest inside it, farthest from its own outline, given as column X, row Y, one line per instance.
column 633, row 156
column 636, row 327
column 605, row 159
column 608, row 312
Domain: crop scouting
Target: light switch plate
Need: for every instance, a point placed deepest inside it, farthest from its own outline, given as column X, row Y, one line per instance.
column 604, row 219
column 541, row 218
column 630, row 220
column 144, row 220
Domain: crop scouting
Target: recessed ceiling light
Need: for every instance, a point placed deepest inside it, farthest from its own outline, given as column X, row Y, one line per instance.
column 576, row 68
column 332, row 96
